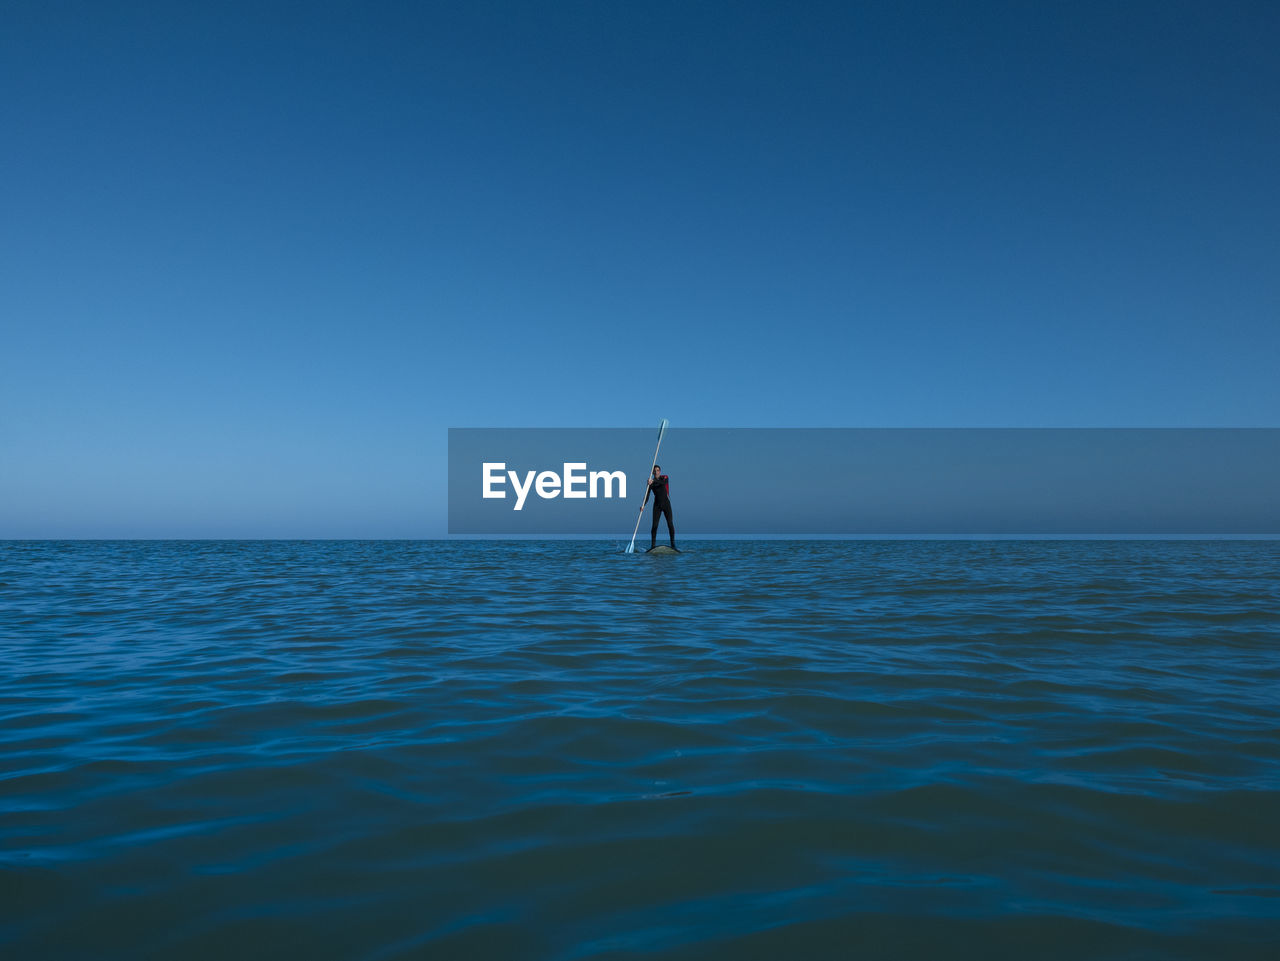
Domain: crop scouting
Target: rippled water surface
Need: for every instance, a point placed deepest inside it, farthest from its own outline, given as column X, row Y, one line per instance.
column 512, row 750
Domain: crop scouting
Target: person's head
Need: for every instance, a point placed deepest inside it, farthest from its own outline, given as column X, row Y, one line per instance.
column 656, row 469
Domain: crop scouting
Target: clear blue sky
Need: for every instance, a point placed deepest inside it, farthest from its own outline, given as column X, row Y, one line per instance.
column 256, row 258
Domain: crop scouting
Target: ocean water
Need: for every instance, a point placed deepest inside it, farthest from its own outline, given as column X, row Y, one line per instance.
column 382, row 750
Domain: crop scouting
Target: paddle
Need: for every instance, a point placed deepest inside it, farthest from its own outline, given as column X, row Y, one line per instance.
column 662, row 429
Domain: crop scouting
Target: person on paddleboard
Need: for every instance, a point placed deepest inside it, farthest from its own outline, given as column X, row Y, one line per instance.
column 660, row 488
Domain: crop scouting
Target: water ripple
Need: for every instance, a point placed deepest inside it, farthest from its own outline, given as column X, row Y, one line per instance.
column 395, row 750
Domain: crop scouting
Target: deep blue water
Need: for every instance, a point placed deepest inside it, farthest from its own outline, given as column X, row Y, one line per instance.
column 991, row 749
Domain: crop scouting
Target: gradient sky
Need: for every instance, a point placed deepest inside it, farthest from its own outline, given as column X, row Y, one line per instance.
column 256, row 258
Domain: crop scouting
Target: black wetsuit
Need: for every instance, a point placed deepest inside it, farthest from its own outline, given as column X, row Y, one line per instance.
column 660, row 488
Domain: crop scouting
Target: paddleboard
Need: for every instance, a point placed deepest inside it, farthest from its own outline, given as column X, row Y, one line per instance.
column 662, row 550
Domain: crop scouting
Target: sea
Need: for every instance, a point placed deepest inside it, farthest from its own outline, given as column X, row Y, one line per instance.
column 902, row 749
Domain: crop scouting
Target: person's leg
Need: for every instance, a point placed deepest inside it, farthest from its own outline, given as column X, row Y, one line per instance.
column 671, row 528
column 653, row 531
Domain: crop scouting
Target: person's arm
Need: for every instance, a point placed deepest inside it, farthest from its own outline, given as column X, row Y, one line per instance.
column 648, row 489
